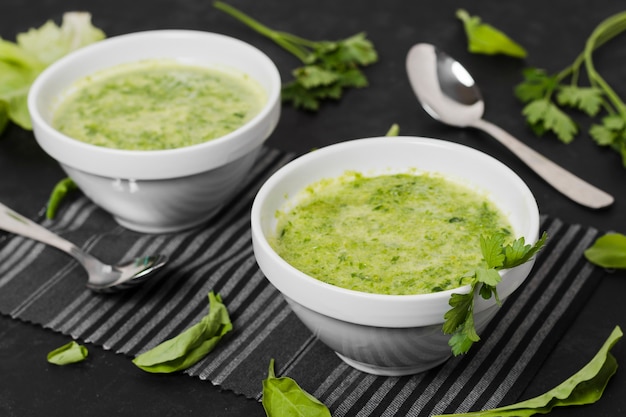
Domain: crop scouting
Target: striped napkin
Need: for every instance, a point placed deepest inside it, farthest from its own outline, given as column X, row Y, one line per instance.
column 39, row 284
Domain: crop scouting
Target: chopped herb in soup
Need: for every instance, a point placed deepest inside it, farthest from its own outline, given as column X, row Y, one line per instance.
column 388, row 234
column 157, row 104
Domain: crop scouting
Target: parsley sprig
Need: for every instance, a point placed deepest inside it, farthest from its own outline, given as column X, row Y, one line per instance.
column 328, row 67
column 547, row 95
column 459, row 320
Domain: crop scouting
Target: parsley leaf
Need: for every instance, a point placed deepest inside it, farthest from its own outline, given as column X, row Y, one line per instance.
column 459, row 320
column 491, row 248
column 586, row 99
column 329, row 67
column 485, row 39
column 611, row 133
column 518, row 252
column 543, row 115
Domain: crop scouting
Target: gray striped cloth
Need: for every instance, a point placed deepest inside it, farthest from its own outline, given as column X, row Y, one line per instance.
column 38, row 284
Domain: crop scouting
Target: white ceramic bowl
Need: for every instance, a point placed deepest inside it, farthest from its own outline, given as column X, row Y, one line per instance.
column 164, row 190
column 386, row 334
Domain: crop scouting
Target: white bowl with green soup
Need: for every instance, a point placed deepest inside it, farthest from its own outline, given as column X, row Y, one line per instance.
column 159, row 127
column 368, row 239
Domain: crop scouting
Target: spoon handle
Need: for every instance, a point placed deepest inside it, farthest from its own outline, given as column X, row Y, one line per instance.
column 564, row 181
column 13, row 222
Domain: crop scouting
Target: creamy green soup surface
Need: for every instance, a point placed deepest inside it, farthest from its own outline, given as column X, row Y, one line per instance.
column 388, row 234
column 157, row 104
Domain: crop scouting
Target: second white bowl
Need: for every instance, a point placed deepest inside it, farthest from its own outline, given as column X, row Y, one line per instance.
column 165, row 190
column 386, row 334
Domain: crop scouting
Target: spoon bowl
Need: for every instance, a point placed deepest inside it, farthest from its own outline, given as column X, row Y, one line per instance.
column 448, row 93
column 101, row 277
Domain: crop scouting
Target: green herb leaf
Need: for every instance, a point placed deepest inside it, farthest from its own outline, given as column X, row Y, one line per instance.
column 311, row 76
column 330, row 66
column 4, row 115
column 394, row 130
column 491, row 248
column 488, row 276
column 461, row 341
column 461, row 311
column 518, row 252
column 543, row 116
column 612, row 133
column 356, row 50
column 300, row 96
column 584, row 387
column 543, row 113
column 608, row 251
column 586, row 99
column 60, row 190
column 485, row 39
column 69, row 353
column 537, row 83
column 459, row 320
column 192, row 345
column 21, row 62
column 283, row 397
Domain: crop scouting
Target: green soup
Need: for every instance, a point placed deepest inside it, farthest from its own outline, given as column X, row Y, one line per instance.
column 157, row 104
column 389, row 234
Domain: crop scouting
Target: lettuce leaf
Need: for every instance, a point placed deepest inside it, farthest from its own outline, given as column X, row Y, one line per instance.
column 22, row 61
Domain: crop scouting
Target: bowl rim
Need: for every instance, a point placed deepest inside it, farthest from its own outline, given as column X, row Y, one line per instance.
column 230, row 146
column 261, row 244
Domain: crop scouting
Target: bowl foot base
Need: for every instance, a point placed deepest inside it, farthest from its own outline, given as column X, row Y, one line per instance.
column 391, row 370
column 159, row 228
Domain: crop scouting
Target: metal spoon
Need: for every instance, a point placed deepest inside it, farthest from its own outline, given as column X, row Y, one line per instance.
column 102, row 277
column 449, row 94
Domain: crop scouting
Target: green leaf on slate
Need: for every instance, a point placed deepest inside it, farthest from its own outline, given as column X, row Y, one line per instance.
column 394, row 130
column 69, row 353
column 60, row 190
column 608, row 251
column 283, row 397
column 584, row 387
column 22, row 61
column 483, row 38
column 192, row 345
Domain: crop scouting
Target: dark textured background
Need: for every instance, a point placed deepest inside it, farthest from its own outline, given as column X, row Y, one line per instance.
column 553, row 33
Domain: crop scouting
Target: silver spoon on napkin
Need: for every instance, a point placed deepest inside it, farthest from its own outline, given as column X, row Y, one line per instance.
column 101, row 277
column 449, row 94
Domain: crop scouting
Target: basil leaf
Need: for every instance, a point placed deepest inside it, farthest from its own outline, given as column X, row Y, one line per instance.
column 283, row 397
column 394, row 130
column 60, row 190
column 608, row 251
column 584, row 387
column 69, row 353
column 485, row 39
column 192, row 345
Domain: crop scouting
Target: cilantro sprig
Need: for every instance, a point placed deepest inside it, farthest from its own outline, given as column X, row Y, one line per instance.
column 547, row 96
column 329, row 67
column 459, row 320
